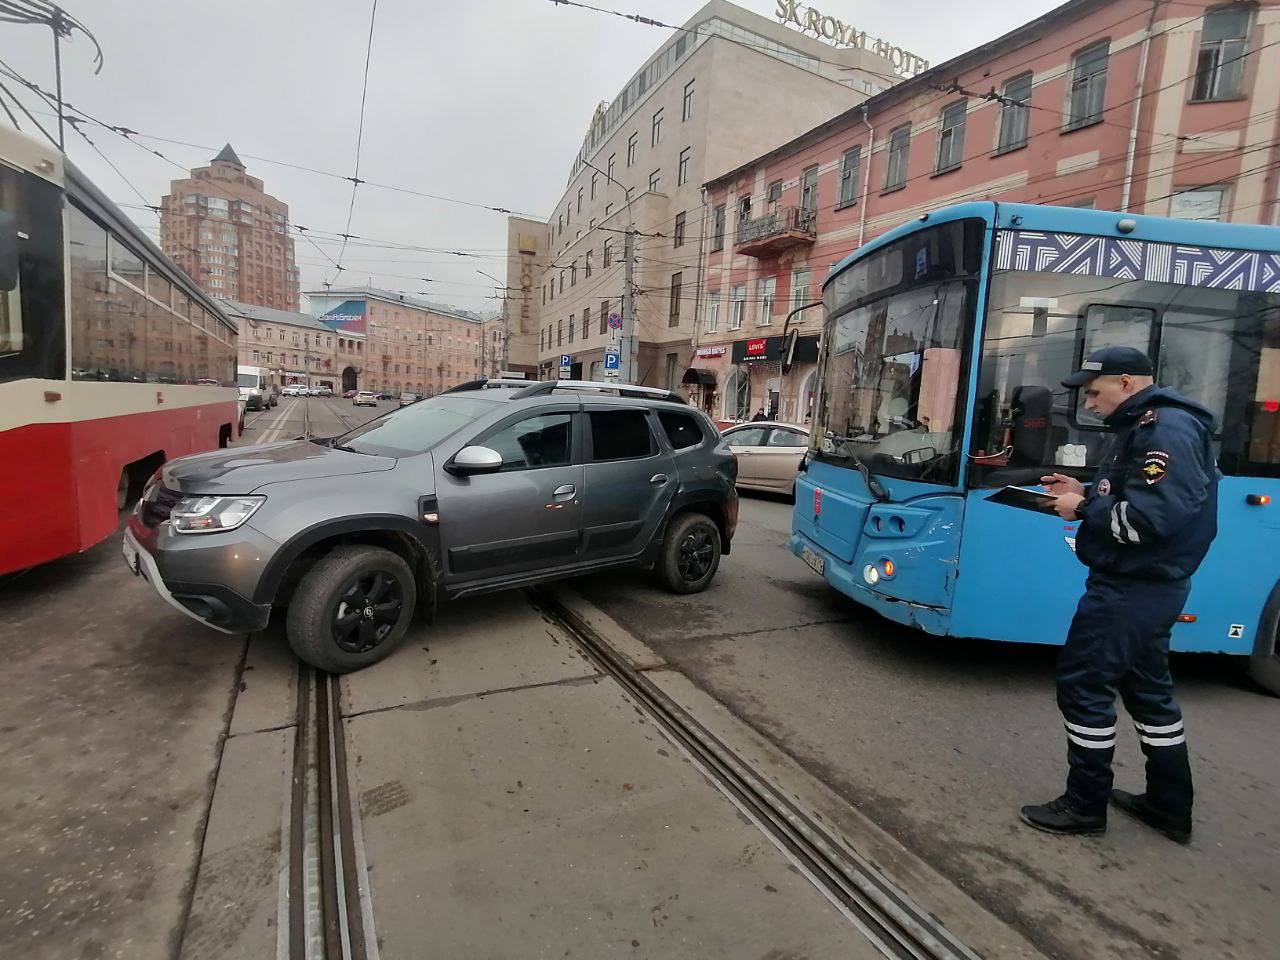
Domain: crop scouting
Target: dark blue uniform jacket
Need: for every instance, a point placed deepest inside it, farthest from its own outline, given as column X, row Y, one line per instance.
column 1153, row 508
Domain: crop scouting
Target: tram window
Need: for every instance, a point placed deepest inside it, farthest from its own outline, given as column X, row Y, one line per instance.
column 31, row 328
column 127, row 265
column 98, row 346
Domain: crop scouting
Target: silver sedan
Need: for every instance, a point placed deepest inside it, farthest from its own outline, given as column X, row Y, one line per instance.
column 768, row 454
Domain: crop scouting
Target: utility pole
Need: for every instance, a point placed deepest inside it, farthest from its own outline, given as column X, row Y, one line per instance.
column 629, row 307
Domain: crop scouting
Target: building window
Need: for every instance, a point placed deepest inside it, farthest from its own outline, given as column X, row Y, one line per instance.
column 655, row 181
column 608, row 253
column 739, row 304
column 951, row 137
column 562, row 281
column 627, row 194
column 1015, row 113
column 678, row 230
column 594, row 178
column 717, row 230
column 587, row 265
column 604, row 315
column 683, row 176
column 573, row 274
column 1088, row 85
column 608, row 170
column 1197, row 204
column 671, row 370
column 631, row 149
column 572, row 320
column 713, row 311
column 608, row 210
column 768, row 290
column 849, row 176
column 686, row 108
column 559, row 333
column 580, row 199
column 560, row 224
column 655, row 129
column 899, row 151
column 774, row 195
column 1220, row 66
column 744, row 211
column 586, row 322
column 809, row 188
column 799, row 288
column 673, row 319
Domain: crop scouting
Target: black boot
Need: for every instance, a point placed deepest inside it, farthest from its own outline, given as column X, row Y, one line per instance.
column 1057, row 816
column 1175, row 827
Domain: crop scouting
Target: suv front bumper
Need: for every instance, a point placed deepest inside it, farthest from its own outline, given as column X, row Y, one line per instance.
column 189, row 575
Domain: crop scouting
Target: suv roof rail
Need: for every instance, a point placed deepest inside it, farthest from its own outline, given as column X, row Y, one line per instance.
column 544, row 387
column 486, row 382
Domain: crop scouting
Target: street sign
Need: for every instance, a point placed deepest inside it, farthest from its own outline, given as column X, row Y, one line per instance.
column 566, row 360
column 615, row 321
column 612, row 361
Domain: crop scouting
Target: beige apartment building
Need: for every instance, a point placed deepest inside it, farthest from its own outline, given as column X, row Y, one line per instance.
column 230, row 235
column 727, row 87
column 296, row 348
column 407, row 345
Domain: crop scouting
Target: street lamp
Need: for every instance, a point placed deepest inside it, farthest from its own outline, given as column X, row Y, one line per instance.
column 505, row 331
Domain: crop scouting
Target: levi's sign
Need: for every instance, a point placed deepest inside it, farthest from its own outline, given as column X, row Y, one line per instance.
column 841, row 34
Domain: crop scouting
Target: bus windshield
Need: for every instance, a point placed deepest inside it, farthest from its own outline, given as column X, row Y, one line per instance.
column 1220, row 347
column 895, row 336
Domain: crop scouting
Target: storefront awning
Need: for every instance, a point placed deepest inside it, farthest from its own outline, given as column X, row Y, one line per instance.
column 703, row 378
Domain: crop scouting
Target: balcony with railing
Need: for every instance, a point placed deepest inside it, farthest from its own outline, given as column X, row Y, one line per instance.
column 778, row 230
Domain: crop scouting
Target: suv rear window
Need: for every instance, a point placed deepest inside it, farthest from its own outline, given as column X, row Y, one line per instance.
column 620, row 435
column 682, row 429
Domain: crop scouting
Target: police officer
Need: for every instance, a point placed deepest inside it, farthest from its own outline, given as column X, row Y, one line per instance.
column 1145, row 524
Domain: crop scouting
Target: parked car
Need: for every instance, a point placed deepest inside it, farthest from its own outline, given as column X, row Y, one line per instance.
column 322, row 392
column 364, row 399
column 386, row 396
column 769, row 454
column 454, row 498
column 349, row 394
column 408, row 398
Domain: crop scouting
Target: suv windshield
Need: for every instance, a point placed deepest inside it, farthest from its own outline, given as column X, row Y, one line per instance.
column 414, row 429
column 892, row 367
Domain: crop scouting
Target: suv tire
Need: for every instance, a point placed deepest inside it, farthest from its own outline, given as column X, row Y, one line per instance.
column 690, row 554
column 370, row 584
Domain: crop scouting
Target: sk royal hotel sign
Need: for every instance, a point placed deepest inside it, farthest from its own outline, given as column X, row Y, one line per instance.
column 841, row 34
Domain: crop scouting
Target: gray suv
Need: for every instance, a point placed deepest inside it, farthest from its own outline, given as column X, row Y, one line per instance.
column 486, row 487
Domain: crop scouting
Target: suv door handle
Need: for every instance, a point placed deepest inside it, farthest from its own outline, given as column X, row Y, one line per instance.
column 566, row 491
column 658, row 478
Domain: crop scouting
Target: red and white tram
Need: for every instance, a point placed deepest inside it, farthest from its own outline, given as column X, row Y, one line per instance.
column 112, row 360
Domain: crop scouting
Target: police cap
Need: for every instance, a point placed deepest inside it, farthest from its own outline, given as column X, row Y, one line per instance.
column 1111, row 361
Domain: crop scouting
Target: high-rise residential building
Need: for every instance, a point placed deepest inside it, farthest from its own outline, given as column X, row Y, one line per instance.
column 230, row 235
column 725, row 87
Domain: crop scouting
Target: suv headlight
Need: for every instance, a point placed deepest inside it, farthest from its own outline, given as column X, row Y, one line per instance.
column 212, row 514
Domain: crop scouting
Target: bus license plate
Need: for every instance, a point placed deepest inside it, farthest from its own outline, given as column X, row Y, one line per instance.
column 817, row 563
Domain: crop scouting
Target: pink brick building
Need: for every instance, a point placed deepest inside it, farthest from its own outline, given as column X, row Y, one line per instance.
column 1170, row 109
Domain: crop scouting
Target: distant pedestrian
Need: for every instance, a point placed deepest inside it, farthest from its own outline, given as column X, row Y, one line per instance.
column 1146, row 523
column 759, row 417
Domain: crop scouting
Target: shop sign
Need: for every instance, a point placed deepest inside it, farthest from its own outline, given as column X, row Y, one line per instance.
column 703, row 352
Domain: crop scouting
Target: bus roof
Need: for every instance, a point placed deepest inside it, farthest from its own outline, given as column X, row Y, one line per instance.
column 1033, row 216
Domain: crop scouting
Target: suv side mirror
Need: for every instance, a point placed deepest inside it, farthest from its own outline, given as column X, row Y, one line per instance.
column 472, row 460
column 8, row 252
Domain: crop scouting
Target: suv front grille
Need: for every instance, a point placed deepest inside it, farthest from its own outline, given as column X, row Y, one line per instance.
column 158, row 504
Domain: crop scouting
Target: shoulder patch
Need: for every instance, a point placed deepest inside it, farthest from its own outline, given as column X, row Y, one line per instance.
column 1148, row 418
column 1155, row 464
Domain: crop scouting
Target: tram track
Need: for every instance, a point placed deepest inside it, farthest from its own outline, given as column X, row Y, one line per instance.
column 896, row 925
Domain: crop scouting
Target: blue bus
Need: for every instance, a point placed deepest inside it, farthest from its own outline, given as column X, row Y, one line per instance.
column 943, row 346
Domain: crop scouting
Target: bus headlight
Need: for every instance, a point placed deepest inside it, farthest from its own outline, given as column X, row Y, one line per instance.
column 212, row 514
column 871, row 574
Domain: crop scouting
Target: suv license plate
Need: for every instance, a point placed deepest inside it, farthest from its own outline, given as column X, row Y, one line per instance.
column 817, row 563
column 131, row 557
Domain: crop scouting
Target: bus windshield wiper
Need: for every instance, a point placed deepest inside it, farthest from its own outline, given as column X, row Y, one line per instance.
column 875, row 486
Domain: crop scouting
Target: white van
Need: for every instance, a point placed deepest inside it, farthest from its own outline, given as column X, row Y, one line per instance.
column 254, row 390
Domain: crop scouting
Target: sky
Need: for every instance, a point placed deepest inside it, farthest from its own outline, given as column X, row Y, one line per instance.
column 484, row 101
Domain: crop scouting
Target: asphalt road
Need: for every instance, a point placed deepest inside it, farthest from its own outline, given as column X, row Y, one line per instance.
column 121, row 716
column 940, row 742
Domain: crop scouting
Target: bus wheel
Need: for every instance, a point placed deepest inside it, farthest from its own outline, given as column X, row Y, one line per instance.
column 1265, row 667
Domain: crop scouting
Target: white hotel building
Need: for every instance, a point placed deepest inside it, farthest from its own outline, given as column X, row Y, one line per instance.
column 728, row 87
